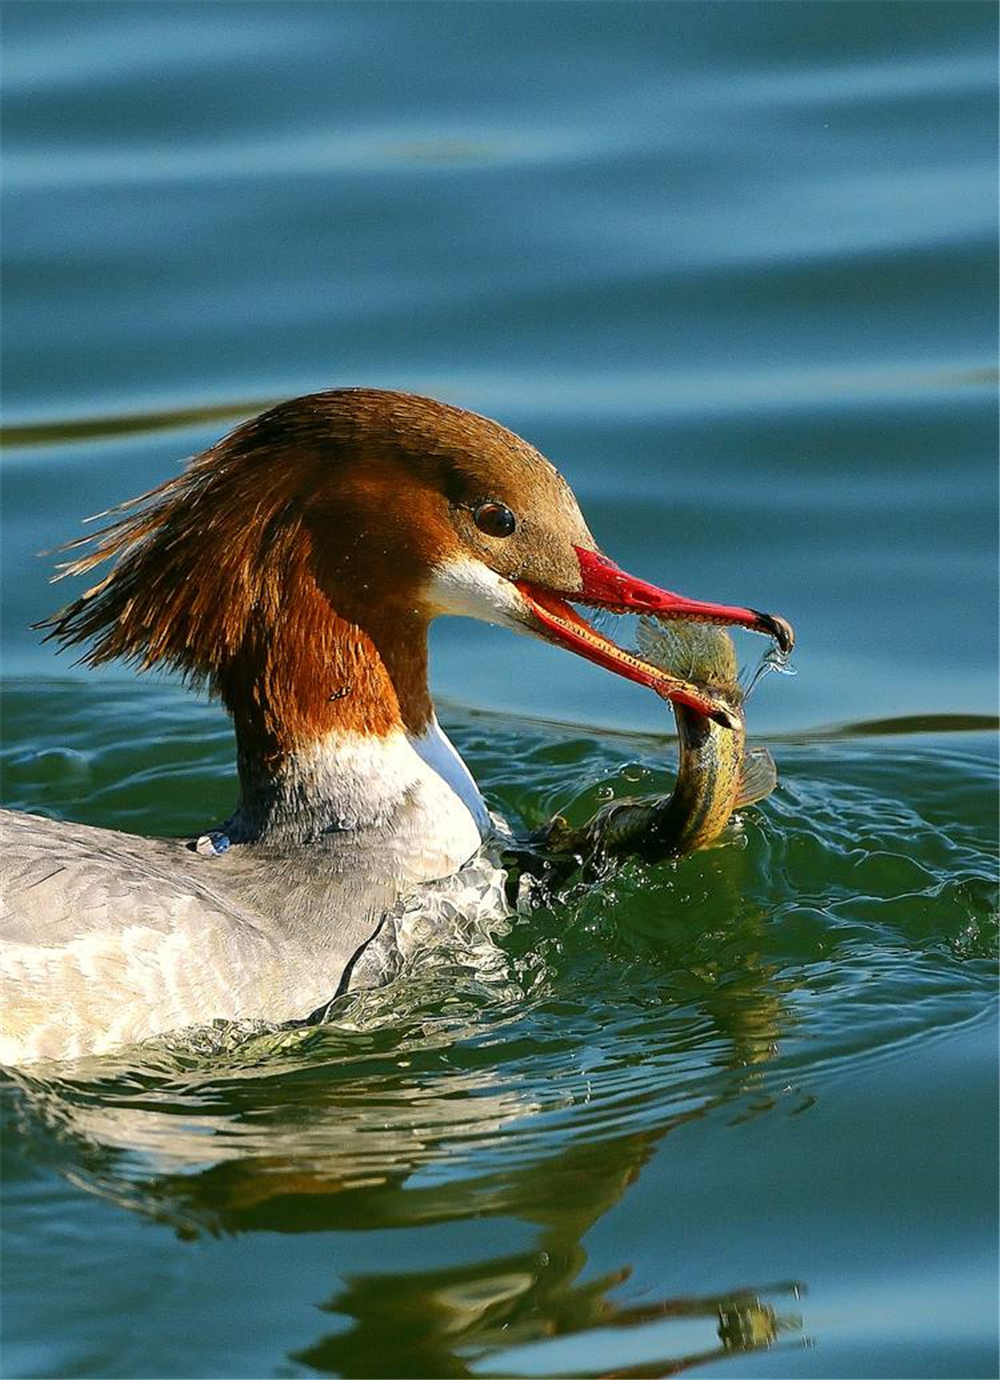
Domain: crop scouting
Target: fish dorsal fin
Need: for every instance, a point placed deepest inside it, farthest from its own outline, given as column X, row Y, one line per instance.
column 700, row 652
column 758, row 778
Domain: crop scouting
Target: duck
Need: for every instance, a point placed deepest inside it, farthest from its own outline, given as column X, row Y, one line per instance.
column 292, row 571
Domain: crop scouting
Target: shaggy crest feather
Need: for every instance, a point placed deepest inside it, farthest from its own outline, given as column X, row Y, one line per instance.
column 195, row 557
column 217, row 575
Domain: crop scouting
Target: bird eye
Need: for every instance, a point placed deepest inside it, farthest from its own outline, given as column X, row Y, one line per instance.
column 495, row 519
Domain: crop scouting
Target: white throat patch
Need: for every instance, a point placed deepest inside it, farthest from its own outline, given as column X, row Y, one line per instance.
column 469, row 588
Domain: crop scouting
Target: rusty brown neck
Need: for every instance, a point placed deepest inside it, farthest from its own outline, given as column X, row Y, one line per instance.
column 310, row 688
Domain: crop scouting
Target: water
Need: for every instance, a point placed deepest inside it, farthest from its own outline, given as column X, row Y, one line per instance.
column 733, row 268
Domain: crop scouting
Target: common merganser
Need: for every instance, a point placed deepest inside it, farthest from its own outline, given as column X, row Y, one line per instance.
column 293, row 569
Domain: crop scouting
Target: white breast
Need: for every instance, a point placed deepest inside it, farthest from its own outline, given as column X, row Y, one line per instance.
column 416, row 788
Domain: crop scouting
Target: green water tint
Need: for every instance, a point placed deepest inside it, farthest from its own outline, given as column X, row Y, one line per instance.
column 662, row 1042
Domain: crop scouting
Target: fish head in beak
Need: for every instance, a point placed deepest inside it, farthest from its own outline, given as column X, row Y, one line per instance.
column 604, row 585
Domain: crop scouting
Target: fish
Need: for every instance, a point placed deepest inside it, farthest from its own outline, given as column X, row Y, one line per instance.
column 716, row 774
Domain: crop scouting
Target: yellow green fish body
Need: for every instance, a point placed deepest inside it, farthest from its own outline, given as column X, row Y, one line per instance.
column 715, row 776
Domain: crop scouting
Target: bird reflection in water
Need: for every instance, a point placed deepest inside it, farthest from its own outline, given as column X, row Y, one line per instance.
column 476, row 1319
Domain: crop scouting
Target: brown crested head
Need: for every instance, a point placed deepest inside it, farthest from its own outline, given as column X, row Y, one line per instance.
column 286, row 568
column 294, row 565
column 414, row 486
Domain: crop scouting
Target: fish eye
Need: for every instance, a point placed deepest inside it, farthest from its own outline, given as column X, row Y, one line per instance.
column 495, row 519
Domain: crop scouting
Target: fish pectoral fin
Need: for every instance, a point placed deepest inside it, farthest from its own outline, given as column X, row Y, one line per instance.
column 758, row 778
